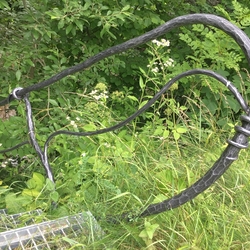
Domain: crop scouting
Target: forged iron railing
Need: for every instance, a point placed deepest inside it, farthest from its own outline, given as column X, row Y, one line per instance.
column 230, row 154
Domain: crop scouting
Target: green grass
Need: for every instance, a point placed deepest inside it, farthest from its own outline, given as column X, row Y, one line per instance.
column 129, row 169
column 216, row 219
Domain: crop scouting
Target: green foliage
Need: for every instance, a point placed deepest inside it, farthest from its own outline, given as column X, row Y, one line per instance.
column 4, row 4
column 148, row 233
column 211, row 48
column 153, row 157
column 37, row 194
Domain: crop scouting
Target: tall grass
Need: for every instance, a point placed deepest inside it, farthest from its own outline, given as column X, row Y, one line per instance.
column 129, row 169
column 216, row 219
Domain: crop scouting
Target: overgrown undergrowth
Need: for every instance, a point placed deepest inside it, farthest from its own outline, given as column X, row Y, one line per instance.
column 128, row 171
column 153, row 158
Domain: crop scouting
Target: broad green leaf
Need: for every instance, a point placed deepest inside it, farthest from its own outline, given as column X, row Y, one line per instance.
column 36, row 34
column 141, row 83
column 181, row 130
column 109, row 13
column 69, row 28
column 158, row 130
column 151, row 228
column 165, row 133
column 132, row 98
column 30, row 192
column 29, row 61
column 50, row 185
column 212, row 106
column 39, row 178
column 89, row 127
column 79, row 24
column 16, row 204
column 63, row 60
column 142, row 104
column 52, row 57
column 55, row 13
column 105, row 29
column 125, row 8
column 155, row 19
column 53, row 102
column 143, row 234
column 31, row 184
column 54, row 196
column 18, row 75
column 61, row 24
column 148, row 232
column 4, row 4
column 87, row 4
column 36, row 182
column 176, row 135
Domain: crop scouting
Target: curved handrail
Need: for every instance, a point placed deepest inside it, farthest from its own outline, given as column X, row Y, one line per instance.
column 230, row 154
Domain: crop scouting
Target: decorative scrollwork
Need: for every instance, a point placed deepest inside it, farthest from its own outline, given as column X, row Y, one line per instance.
column 230, row 154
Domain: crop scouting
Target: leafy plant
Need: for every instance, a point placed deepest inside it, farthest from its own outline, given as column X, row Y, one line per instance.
column 148, row 233
column 154, row 157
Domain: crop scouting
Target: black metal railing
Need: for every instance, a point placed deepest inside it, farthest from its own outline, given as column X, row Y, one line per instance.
column 230, row 154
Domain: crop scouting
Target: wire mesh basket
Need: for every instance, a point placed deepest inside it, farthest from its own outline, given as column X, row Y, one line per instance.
column 21, row 231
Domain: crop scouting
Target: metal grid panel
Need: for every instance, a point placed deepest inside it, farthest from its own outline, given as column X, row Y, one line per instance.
column 11, row 221
column 47, row 234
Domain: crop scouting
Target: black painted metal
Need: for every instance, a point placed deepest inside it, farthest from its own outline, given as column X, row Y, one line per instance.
column 230, row 154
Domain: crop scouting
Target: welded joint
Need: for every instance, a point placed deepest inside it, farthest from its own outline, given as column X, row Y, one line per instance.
column 14, row 93
column 242, row 130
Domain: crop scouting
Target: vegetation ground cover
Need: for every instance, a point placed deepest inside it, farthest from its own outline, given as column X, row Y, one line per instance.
column 153, row 158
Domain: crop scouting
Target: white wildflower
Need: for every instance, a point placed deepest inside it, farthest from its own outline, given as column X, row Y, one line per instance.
column 93, row 92
column 155, row 70
column 101, row 96
column 158, row 43
column 72, row 123
column 169, row 63
column 163, row 42
column 97, row 97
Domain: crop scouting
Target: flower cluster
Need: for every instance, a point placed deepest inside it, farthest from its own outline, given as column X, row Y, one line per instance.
column 163, row 42
column 159, row 65
column 100, row 92
column 82, row 159
column 73, row 123
column 99, row 96
column 169, row 63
